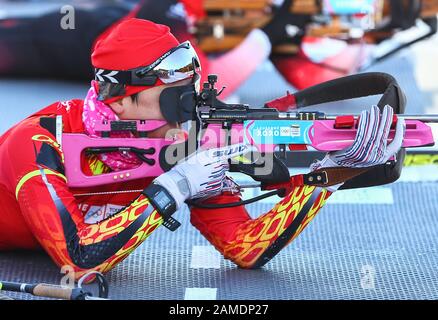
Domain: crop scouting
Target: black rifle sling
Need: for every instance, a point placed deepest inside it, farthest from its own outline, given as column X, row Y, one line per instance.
column 357, row 86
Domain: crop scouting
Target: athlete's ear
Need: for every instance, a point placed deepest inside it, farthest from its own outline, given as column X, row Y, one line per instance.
column 118, row 106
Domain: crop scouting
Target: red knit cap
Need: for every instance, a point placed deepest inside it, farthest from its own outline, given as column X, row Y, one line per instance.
column 131, row 44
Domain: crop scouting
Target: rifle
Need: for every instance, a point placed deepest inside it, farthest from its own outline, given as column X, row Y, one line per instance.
column 271, row 131
column 268, row 128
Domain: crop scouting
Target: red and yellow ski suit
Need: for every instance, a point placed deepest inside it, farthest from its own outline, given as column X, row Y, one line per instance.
column 38, row 209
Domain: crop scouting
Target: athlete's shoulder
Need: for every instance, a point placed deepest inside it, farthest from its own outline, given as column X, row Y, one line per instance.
column 70, row 110
column 62, row 108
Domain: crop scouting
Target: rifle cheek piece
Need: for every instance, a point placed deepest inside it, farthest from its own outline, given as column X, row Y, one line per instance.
column 178, row 104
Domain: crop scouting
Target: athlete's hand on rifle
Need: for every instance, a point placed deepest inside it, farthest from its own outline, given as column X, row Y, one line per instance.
column 285, row 26
column 370, row 147
column 201, row 175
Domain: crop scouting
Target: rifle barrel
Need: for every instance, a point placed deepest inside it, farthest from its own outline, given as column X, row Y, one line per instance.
column 430, row 118
column 273, row 114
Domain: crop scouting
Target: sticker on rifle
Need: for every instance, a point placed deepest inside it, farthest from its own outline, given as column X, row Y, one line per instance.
column 277, row 131
column 295, row 131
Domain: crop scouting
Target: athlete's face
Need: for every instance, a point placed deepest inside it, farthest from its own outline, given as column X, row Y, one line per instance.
column 146, row 107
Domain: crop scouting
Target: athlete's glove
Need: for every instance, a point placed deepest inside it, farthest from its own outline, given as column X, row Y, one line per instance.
column 285, row 26
column 370, row 147
column 201, row 175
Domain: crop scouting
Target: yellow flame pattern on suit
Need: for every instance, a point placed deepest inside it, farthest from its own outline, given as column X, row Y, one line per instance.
column 110, row 227
column 256, row 236
column 152, row 222
column 97, row 166
column 117, row 223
